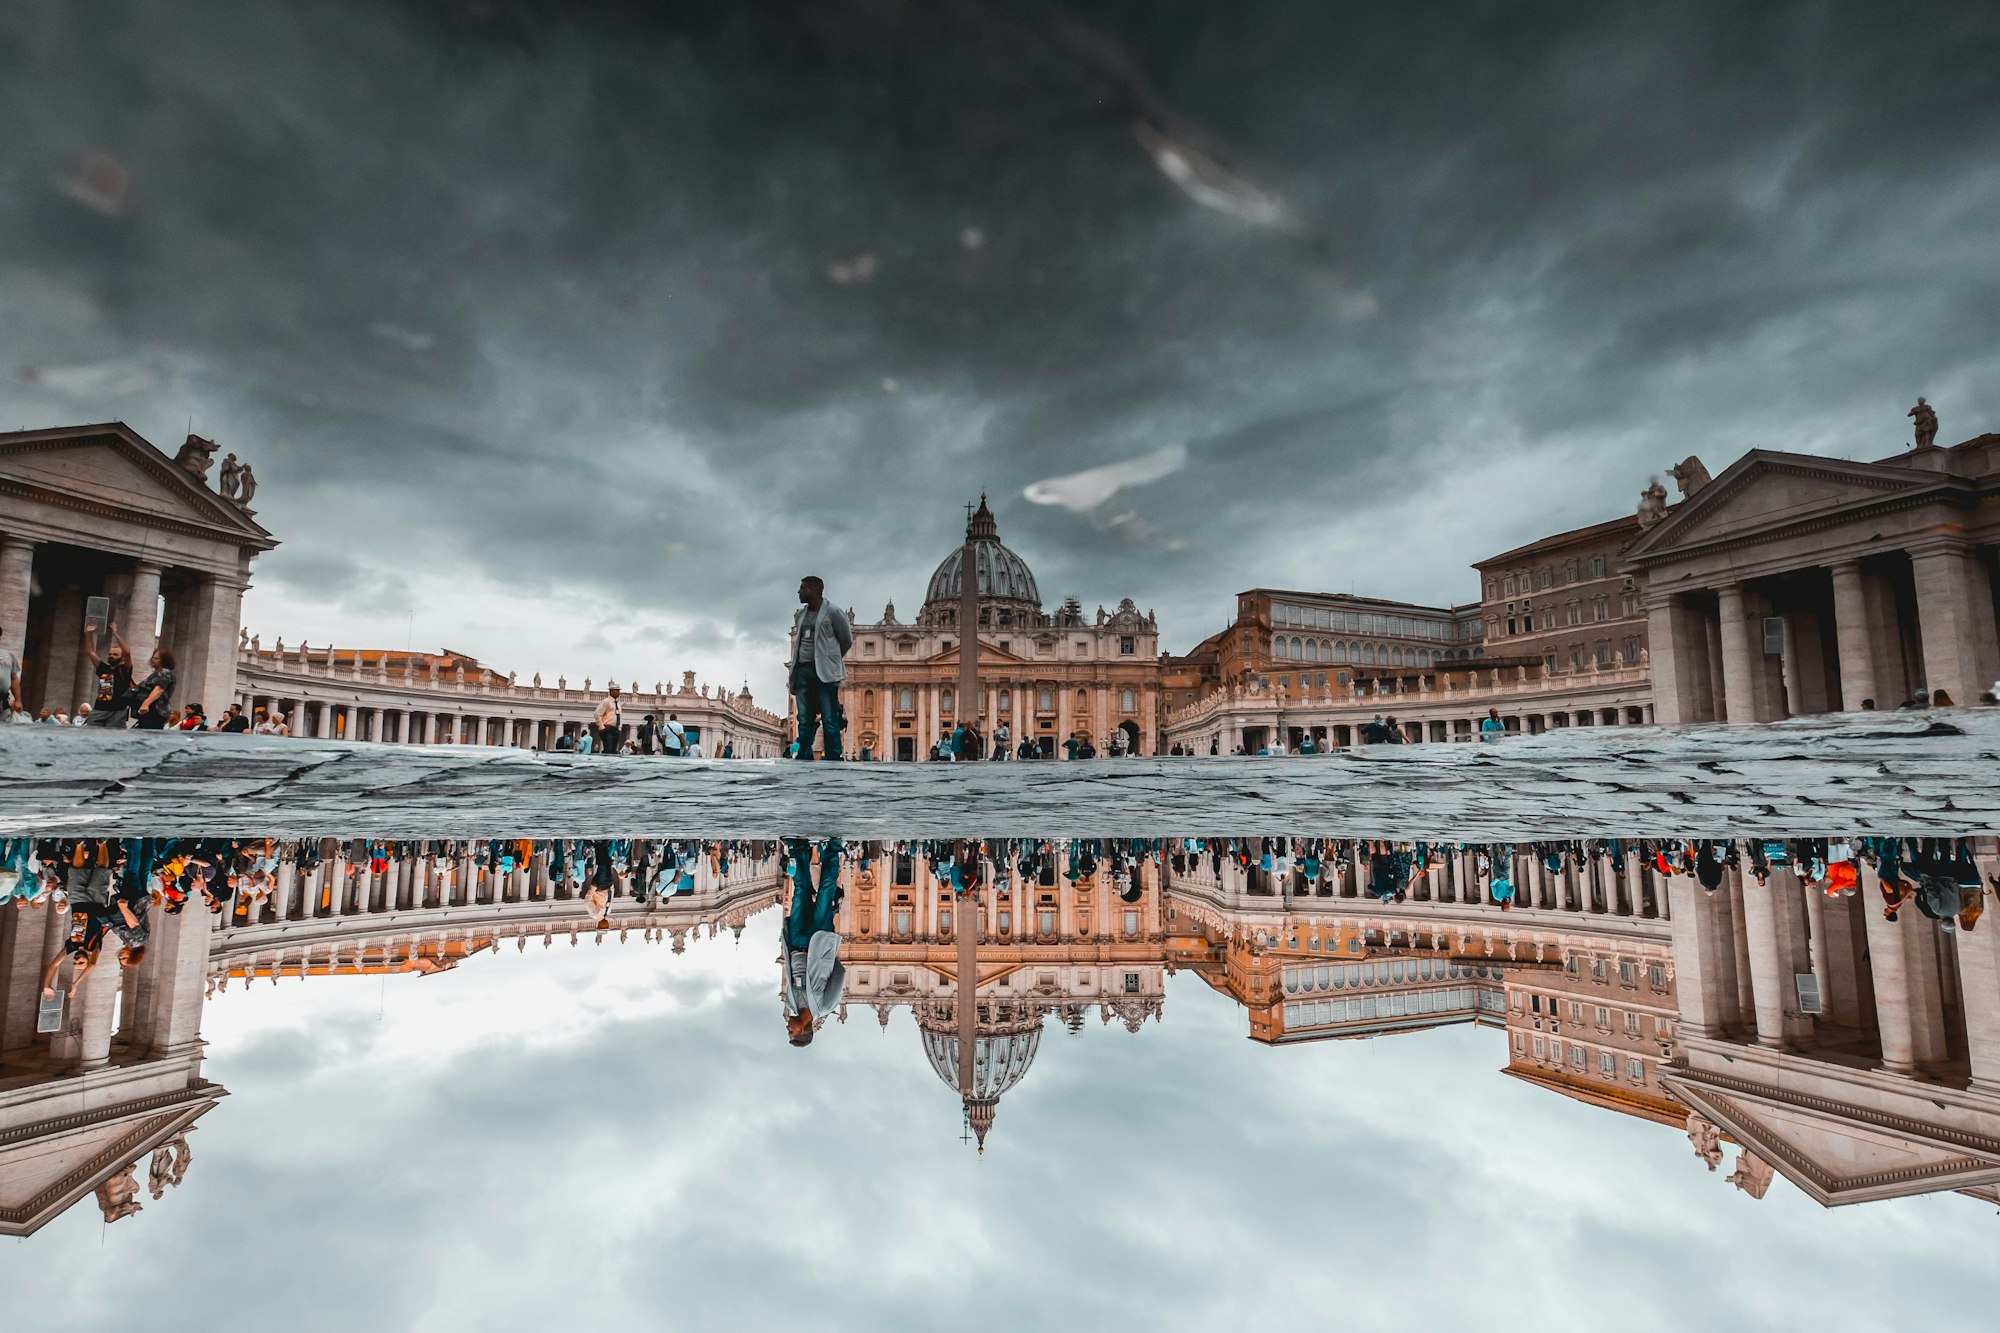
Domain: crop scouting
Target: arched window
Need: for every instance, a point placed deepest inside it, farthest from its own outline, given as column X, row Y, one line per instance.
column 1082, row 698
column 1423, row 657
column 1340, row 651
column 1006, row 701
column 944, row 701
column 868, row 701
column 1312, row 650
column 1395, row 657
column 1368, row 654
column 1125, row 701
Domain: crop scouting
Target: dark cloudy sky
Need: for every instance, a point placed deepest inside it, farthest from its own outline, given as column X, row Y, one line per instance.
column 570, row 334
column 615, row 1138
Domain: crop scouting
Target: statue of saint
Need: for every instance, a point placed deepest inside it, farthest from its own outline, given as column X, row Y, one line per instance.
column 1652, row 504
column 195, row 455
column 1752, row 1174
column 249, row 482
column 1707, row 1140
column 119, row 1196
column 1926, row 418
column 1690, row 476
column 230, row 480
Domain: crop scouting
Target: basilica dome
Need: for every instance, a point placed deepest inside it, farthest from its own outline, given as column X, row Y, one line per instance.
column 1001, row 1054
column 1000, row 575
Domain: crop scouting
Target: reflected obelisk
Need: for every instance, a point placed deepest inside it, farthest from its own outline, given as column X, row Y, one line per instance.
column 968, row 711
column 965, row 926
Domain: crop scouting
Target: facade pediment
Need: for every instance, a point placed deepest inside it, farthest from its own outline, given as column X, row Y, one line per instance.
column 1766, row 491
column 1841, row 1154
column 111, row 470
column 44, row 1173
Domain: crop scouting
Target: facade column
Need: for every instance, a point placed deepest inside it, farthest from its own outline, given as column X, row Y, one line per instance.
column 1679, row 659
column 1955, row 617
column 1979, row 982
column 180, row 982
column 64, row 676
column 1699, row 981
column 138, row 621
column 1926, row 986
column 17, row 571
column 1889, row 972
column 1854, row 634
column 27, row 941
column 1767, row 918
column 1742, row 657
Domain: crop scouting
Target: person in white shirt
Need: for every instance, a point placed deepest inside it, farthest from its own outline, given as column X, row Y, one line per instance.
column 610, row 733
column 821, row 636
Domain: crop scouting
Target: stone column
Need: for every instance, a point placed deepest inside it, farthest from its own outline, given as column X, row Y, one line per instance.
column 27, row 941
column 138, row 619
column 1679, row 660
column 17, row 568
column 1854, row 633
column 86, row 1035
column 1889, row 972
column 1926, row 986
column 1955, row 617
column 180, row 982
column 1700, row 983
column 1767, row 919
column 1979, row 982
column 63, row 678
column 1742, row 657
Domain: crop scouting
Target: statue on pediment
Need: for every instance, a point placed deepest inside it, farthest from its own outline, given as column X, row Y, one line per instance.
column 1706, row 1137
column 1926, row 418
column 230, row 479
column 1752, row 1174
column 1690, row 476
column 119, row 1196
column 196, row 455
column 248, row 480
column 1652, row 504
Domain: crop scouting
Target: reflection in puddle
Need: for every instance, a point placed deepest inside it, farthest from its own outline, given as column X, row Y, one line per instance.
column 1828, row 1009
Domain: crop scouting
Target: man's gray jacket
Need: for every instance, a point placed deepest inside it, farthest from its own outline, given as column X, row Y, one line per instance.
column 832, row 637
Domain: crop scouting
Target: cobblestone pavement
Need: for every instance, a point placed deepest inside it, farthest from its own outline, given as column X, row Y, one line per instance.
column 1889, row 773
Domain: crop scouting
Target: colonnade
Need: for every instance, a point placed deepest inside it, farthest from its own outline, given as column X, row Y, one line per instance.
column 1827, row 638
column 1782, row 966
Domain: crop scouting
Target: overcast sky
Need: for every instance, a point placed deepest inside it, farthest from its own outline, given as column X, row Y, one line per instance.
column 570, row 342
column 610, row 1138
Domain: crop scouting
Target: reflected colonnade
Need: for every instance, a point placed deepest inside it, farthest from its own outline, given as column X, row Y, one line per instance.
column 1830, row 1007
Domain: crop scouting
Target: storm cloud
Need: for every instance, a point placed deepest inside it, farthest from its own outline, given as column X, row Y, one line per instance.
column 582, row 330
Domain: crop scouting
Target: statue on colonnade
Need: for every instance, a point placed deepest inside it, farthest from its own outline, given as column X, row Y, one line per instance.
column 1927, row 423
column 1690, row 476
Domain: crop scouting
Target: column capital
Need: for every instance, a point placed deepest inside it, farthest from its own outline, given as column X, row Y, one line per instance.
column 14, row 541
column 1938, row 544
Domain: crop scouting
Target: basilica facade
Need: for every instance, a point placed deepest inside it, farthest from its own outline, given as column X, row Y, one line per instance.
column 1045, row 674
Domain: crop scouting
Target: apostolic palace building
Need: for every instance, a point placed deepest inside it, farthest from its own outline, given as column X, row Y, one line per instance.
column 1788, row 584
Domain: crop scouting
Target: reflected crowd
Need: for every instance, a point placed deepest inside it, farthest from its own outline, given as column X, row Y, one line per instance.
column 1829, row 1005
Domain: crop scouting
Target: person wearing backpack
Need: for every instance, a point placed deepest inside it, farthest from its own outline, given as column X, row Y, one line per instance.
column 673, row 737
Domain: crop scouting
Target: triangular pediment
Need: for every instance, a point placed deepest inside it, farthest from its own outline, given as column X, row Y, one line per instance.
column 1841, row 1154
column 1765, row 490
column 987, row 653
column 112, row 469
column 42, row 1174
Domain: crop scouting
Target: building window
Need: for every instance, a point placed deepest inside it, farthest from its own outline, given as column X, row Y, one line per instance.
column 1125, row 701
column 1510, row 585
column 1569, row 571
column 1635, row 1071
column 1540, row 1050
column 1125, row 645
column 1131, row 923
column 1631, row 1024
column 1627, row 973
column 905, row 647
column 1006, row 701
column 1607, row 1064
column 1656, row 976
column 1545, row 577
column 1576, row 1056
column 868, row 648
column 944, row 702
column 1368, row 654
column 1046, row 701
column 1631, row 649
column 905, row 700
column 1597, row 566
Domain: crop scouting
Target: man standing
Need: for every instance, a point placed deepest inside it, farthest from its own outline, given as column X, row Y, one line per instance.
column 673, row 737
column 610, row 735
column 647, row 731
column 1491, row 728
column 814, row 976
column 233, row 722
column 821, row 636
column 113, row 704
column 1001, row 736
